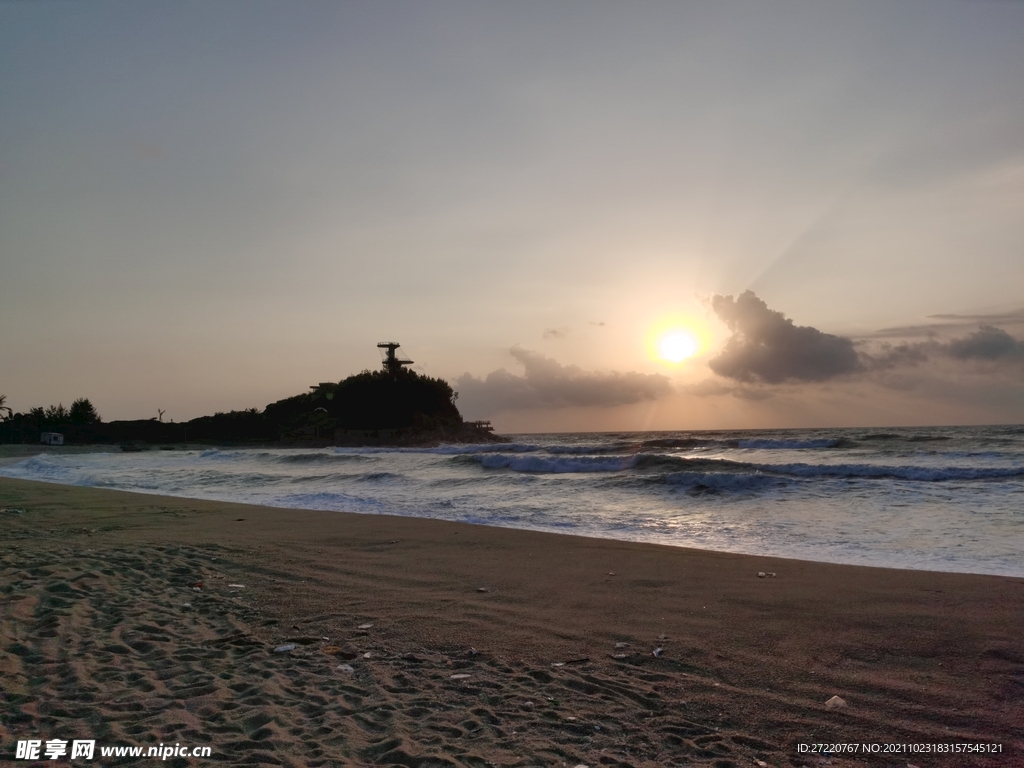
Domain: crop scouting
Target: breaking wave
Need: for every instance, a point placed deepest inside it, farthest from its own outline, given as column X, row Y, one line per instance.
column 791, row 444
column 556, row 465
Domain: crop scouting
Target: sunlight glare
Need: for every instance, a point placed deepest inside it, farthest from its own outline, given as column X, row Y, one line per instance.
column 677, row 345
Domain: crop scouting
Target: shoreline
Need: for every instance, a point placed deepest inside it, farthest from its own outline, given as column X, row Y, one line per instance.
column 746, row 664
column 8, row 457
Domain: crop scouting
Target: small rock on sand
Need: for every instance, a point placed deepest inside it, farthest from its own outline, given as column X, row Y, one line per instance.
column 835, row 703
column 482, row 589
column 459, row 677
column 285, row 648
column 346, row 668
column 365, row 626
column 236, row 586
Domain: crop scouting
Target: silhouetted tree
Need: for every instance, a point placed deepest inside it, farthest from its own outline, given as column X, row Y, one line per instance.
column 56, row 414
column 371, row 400
column 3, row 407
column 83, row 412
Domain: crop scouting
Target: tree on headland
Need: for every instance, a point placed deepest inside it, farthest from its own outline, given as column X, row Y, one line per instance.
column 83, row 412
column 54, row 414
column 371, row 400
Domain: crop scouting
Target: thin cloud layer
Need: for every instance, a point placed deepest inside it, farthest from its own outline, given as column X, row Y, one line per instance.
column 548, row 384
column 767, row 347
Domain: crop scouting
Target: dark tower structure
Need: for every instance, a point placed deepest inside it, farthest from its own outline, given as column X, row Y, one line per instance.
column 392, row 362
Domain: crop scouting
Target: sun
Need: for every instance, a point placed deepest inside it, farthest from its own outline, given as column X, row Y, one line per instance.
column 677, row 345
column 677, row 337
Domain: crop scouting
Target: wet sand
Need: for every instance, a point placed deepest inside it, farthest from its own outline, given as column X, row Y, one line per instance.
column 485, row 646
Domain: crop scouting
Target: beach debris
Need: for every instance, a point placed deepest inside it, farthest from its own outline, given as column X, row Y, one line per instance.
column 472, row 652
column 620, row 656
column 186, row 605
column 558, row 664
column 482, row 589
column 236, row 586
column 657, row 652
column 334, row 650
column 285, row 648
column 766, row 574
column 663, row 637
column 347, row 668
column 760, row 763
column 622, row 645
column 459, row 676
column 835, row 703
column 581, row 765
column 365, row 626
column 367, row 655
column 611, row 573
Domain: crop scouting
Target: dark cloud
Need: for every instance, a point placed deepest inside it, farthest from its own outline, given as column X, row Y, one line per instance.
column 548, row 384
column 766, row 346
column 987, row 343
column 888, row 356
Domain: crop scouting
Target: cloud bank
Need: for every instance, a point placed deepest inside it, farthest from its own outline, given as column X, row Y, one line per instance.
column 548, row 384
column 988, row 343
column 766, row 346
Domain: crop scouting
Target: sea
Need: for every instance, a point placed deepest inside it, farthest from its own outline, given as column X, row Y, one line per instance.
column 937, row 498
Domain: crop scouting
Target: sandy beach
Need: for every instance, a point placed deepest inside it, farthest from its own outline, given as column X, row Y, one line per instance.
column 137, row 620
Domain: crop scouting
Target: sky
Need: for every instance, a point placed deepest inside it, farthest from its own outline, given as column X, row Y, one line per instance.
column 208, row 206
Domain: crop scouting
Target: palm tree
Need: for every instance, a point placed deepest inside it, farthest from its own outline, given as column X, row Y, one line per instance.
column 3, row 399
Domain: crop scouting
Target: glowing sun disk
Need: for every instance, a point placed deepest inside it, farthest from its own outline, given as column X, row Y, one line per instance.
column 677, row 345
